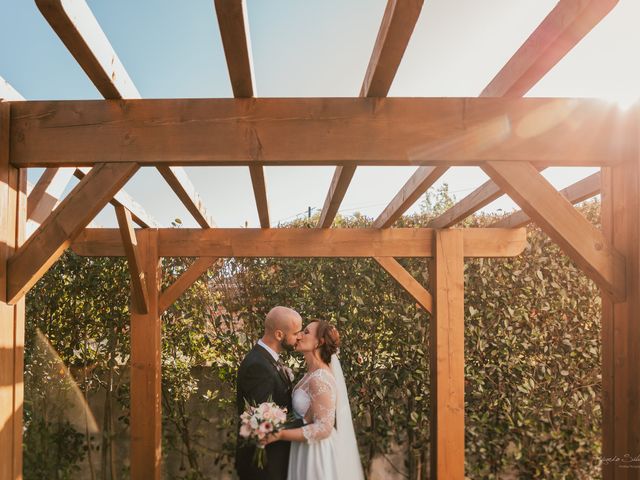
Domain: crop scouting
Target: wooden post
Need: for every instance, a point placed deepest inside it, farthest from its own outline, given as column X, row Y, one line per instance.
column 621, row 325
column 447, row 357
column 146, row 414
column 13, row 214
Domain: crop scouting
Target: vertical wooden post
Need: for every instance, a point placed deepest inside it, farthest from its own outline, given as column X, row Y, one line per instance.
column 13, row 214
column 146, row 413
column 621, row 323
column 447, row 357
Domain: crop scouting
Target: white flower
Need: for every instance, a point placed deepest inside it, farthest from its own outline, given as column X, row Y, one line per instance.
column 289, row 373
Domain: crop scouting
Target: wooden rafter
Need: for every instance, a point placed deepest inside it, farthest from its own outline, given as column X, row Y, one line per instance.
column 234, row 30
column 312, row 131
column 77, row 27
column 395, row 31
column 583, row 242
column 179, row 182
column 568, row 23
column 576, row 193
column 299, row 242
column 557, row 34
column 140, row 296
column 46, row 193
column 122, row 198
column 50, row 240
column 417, row 184
column 184, row 282
column 407, row 281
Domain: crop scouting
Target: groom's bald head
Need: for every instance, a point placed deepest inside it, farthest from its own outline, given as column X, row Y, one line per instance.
column 282, row 325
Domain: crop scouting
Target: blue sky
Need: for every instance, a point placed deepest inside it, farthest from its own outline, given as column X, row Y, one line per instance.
column 305, row 48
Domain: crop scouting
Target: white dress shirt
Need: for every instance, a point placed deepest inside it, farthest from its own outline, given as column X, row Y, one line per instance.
column 274, row 354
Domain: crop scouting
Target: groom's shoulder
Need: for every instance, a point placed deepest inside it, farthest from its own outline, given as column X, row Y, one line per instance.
column 252, row 356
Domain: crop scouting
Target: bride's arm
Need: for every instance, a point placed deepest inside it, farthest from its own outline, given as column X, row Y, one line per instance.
column 323, row 413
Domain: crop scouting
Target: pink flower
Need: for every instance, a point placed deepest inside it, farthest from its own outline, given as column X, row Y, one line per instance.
column 245, row 430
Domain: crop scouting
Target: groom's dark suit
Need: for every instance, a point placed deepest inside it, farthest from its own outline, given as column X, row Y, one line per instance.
column 260, row 379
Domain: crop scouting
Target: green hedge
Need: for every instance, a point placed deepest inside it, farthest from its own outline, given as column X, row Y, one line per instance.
column 532, row 347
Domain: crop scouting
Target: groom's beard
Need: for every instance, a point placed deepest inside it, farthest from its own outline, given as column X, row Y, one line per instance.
column 287, row 346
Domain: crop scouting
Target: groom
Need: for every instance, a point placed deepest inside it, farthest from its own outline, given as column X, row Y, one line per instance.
column 261, row 377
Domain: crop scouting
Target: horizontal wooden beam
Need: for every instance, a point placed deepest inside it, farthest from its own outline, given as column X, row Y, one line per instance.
column 417, row 184
column 576, row 193
column 580, row 240
column 184, row 282
column 308, row 131
column 557, row 34
column 49, row 241
column 407, row 281
column 293, row 242
column 139, row 293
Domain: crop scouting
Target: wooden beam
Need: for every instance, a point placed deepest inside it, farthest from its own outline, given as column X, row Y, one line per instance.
column 339, row 184
column 447, row 358
column 307, row 131
column 146, row 406
column 406, row 281
column 260, row 193
column 234, row 30
column 13, row 213
column 198, row 268
column 77, row 27
column 568, row 23
column 398, row 22
column 75, row 24
column 179, row 182
column 293, row 242
column 583, row 242
column 122, row 198
column 556, row 35
column 417, row 184
column 397, row 25
column 576, row 193
column 139, row 295
column 46, row 193
column 46, row 245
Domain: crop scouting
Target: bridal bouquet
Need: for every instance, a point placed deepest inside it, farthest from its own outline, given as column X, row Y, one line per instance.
column 259, row 421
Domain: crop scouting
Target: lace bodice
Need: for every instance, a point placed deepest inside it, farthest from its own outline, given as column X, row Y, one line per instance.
column 314, row 398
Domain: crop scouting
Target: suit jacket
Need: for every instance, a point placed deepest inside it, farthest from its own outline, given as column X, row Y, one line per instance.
column 259, row 380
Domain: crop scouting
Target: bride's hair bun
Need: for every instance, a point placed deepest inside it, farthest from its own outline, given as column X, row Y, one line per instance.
column 329, row 340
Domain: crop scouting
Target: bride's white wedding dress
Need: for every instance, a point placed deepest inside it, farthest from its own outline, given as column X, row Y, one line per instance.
column 328, row 454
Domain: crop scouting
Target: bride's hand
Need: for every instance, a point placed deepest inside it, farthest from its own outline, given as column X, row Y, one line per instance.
column 272, row 437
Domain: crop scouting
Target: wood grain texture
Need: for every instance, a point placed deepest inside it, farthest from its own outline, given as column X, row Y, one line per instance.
column 447, row 357
column 13, row 212
column 292, row 242
column 198, row 268
column 146, row 409
column 139, row 295
column 578, row 192
column 578, row 238
column 406, row 281
column 234, row 30
column 412, row 190
column 306, row 131
column 50, row 240
column 568, row 23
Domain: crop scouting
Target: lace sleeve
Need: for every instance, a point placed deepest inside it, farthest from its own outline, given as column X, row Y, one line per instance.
column 322, row 392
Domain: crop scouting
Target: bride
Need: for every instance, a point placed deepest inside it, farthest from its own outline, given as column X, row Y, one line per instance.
column 325, row 448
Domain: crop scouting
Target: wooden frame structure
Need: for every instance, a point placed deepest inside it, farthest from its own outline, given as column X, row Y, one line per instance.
column 510, row 137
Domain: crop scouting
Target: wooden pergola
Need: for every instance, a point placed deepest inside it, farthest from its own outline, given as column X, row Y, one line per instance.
column 511, row 138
